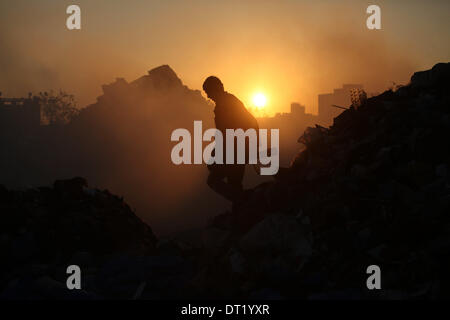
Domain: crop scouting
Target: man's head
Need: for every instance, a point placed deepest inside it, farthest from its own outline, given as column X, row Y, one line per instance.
column 213, row 87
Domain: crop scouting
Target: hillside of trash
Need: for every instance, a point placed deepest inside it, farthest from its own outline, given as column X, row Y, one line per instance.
column 373, row 189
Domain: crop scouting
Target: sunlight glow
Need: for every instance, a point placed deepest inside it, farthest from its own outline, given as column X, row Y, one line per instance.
column 259, row 100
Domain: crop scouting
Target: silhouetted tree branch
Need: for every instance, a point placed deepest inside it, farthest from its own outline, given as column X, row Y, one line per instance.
column 58, row 108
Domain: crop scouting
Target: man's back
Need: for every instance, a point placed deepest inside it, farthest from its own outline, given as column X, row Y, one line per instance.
column 230, row 113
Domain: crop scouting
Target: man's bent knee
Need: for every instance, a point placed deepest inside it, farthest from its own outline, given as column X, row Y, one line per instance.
column 212, row 180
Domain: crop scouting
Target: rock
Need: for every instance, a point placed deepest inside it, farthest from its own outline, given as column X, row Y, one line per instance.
column 51, row 289
column 73, row 187
column 23, row 247
column 266, row 294
column 437, row 76
column 237, row 261
column 82, row 259
column 278, row 233
column 170, row 247
column 358, row 171
column 214, row 237
column 164, row 77
column 122, row 275
column 442, row 170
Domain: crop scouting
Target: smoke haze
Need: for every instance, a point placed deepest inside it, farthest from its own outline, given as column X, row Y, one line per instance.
column 291, row 50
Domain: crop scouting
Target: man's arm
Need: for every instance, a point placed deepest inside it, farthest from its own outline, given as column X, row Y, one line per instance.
column 245, row 119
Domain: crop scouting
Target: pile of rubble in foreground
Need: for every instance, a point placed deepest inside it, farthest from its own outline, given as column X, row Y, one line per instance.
column 44, row 230
column 373, row 189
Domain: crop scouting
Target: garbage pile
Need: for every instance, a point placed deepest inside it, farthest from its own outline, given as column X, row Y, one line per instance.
column 373, row 189
column 44, row 230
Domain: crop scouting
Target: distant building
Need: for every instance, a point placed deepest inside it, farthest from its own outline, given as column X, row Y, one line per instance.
column 297, row 109
column 291, row 125
column 339, row 97
column 19, row 113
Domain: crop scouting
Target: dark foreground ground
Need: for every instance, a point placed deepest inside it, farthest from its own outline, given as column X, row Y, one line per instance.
column 373, row 189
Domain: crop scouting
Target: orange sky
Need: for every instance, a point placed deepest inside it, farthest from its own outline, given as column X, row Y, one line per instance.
column 290, row 50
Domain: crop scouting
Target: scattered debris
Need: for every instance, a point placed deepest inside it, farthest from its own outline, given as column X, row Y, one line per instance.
column 374, row 188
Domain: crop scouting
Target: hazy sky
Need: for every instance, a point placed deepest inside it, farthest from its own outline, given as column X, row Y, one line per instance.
column 291, row 50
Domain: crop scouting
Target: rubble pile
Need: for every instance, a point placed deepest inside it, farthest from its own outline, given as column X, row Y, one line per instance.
column 373, row 189
column 44, row 230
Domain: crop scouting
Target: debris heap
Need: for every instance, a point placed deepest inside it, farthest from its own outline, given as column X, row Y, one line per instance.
column 44, row 230
column 373, row 189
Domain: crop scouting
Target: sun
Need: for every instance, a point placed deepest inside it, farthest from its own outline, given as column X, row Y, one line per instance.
column 259, row 100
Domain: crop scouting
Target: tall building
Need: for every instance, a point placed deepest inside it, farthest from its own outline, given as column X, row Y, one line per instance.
column 297, row 110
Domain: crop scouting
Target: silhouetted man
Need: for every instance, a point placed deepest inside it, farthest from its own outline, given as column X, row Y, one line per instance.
column 230, row 113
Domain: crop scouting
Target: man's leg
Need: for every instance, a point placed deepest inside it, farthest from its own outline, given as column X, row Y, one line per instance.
column 235, row 176
column 232, row 189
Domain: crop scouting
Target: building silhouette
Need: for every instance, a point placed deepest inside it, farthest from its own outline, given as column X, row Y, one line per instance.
column 339, row 97
column 19, row 113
